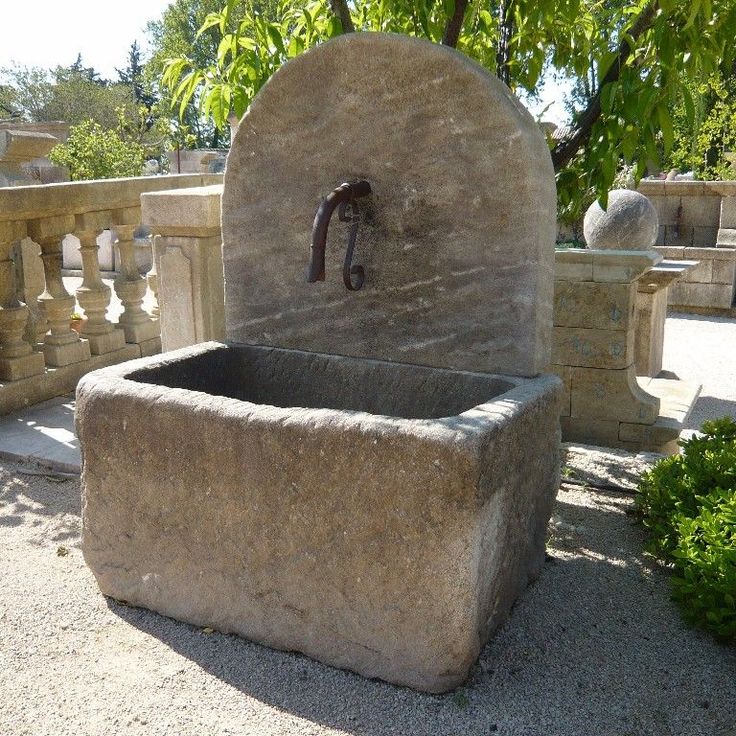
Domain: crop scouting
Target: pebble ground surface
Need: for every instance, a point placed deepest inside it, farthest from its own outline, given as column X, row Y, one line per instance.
column 703, row 349
column 594, row 647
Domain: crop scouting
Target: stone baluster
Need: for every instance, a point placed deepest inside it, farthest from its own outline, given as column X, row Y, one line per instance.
column 17, row 357
column 152, row 278
column 62, row 346
column 94, row 295
column 131, row 287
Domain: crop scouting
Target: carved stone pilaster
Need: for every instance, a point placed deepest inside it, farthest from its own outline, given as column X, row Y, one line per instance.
column 17, row 357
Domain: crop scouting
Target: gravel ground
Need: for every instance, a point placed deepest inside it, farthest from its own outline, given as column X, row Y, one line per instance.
column 594, row 647
column 703, row 349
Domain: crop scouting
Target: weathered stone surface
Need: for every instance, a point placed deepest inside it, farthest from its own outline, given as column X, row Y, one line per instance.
column 724, row 272
column 726, row 238
column 458, row 238
column 61, row 380
column 189, row 212
column 705, row 236
column 651, row 312
column 594, row 348
column 564, row 373
column 593, row 305
column 700, row 274
column 728, row 212
column 190, row 290
column 629, row 223
column 596, row 391
column 622, row 266
column 573, row 264
column 387, row 545
column 718, row 296
column 590, row 431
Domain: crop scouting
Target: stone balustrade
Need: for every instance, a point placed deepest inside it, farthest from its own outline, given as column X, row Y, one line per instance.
column 41, row 356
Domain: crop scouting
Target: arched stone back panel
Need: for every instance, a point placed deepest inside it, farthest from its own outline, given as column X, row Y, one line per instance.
column 458, row 235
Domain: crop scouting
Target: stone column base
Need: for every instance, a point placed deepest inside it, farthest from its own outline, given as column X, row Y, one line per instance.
column 141, row 331
column 23, row 366
column 60, row 355
column 106, row 342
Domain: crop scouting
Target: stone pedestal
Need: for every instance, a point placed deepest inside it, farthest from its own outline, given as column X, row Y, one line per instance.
column 593, row 342
column 188, row 263
column 610, row 307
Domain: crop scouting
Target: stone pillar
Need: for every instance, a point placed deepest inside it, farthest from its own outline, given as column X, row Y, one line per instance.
column 62, row 345
column 188, row 261
column 17, row 357
column 595, row 333
column 94, row 295
column 593, row 343
column 131, row 287
column 651, row 313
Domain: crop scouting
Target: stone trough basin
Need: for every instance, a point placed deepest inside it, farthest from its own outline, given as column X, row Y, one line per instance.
column 377, row 516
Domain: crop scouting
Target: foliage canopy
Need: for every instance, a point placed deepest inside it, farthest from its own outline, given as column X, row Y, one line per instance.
column 636, row 59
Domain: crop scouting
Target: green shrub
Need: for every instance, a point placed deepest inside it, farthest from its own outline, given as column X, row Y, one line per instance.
column 688, row 504
column 91, row 152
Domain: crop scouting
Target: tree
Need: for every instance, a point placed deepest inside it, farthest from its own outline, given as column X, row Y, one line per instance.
column 178, row 34
column 73, row 94
column 703, row 141
column 134, row 77
column 637, row 57
column 91, row 152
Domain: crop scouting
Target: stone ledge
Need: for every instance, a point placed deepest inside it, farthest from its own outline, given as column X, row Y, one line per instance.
column 57, row 381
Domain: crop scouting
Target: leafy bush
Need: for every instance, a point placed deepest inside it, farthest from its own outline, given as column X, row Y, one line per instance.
column 91, row 152
column 688, row 504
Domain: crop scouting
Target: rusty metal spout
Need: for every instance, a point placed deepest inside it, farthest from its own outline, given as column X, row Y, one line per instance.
column 343, row 196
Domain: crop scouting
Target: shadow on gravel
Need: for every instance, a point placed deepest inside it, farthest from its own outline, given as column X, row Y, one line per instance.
column 593, row 648
column 710, row 407
column 38, row 500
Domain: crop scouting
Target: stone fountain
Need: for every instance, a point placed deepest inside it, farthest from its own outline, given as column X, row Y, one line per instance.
column 365, row 469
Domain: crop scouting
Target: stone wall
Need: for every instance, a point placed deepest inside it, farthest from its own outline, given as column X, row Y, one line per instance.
column 697, row 221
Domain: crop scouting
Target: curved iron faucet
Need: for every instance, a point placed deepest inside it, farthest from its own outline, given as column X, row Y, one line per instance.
column 342, row 197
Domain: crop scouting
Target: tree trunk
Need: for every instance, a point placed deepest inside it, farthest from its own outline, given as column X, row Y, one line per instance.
column 455, row 24
column 503, row 46
column 342, row 11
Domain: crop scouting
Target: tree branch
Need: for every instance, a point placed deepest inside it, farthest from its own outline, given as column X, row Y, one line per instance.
column 342, row 11
column 564, row 151
column 503, row 45
column 455, row 24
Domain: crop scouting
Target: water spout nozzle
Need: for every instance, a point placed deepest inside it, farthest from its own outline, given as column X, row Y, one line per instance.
column 341, row 197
